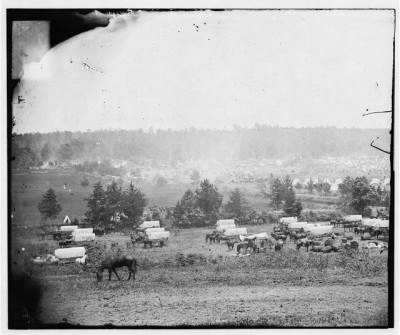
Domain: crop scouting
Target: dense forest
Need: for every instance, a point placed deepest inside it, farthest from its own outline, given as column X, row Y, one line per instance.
column 238, row 144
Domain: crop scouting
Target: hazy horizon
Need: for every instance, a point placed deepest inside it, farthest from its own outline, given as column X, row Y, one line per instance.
column 231, row 129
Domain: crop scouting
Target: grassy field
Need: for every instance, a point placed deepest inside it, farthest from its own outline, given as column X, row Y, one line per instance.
column 28, row 187
column 192, row 283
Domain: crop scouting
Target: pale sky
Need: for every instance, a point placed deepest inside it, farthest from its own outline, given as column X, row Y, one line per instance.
column 213, row 70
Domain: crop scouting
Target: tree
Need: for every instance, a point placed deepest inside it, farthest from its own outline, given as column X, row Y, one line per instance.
column 186, row 211
column 346, row 188
column 45, row 152
column 186, row 205
column 65, row 152
column 113, row 195
column 363, row 195
column 298, row 186
column 326, row 188
column 23, row 157
column 318, row 187
column 310, row 185
column 237, row 204
column 208, row 199
column 133, row 204
column 188, row 201
column 96, row 203
column 276, row 192
column 49, row 207
column 291, row 206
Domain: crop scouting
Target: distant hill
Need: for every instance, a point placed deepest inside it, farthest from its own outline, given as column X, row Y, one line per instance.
column 239, row 144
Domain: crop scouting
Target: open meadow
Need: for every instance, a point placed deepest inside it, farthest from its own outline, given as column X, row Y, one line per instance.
column 192, row 283
column 28, row 186
column 202, row 285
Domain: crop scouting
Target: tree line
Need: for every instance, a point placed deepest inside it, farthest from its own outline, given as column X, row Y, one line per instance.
column 358, row 195
column 113, row 208
column 106, row 207
column 169, row 145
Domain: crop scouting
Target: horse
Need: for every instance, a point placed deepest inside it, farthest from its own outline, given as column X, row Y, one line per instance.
column 112, row 262
column 376, row 232
column 231, row 244
column 359, row 230
column 242, row 245
column 211, row 237
column 147, row 242
column 304, row 243
column 279, row 245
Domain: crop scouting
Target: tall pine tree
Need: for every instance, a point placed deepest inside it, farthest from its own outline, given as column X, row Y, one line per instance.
column 277, row 191
column 237, row 204
column 133, row 203
column 49, row 207
column 113, row 195
column 96, row 214
column 209, row 200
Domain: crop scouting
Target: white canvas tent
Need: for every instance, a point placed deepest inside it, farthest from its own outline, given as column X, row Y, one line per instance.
column 67, row 220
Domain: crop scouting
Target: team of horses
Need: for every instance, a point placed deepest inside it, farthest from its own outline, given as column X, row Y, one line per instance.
column 112, row 261
column 281, row 234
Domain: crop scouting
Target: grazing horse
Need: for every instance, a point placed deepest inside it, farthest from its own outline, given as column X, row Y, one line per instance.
column 211, row 237
column 219, row 238
column 111, row 262
column 376, row 232
column 231, row 244
column 146, row 243
column 246, row 245
column 359, row 230
column 304, row 243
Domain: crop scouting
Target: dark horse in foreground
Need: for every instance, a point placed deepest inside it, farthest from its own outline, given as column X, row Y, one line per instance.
column 112, row 262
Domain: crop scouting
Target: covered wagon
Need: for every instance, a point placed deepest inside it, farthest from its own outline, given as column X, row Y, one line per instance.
column 150, row 224
column 153, row 230
column 235, row 231
column 69, row 253
column 68, row 228
column 287, row 220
